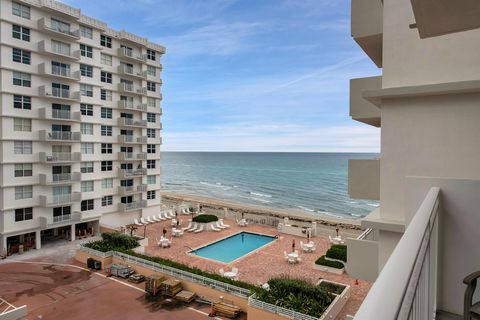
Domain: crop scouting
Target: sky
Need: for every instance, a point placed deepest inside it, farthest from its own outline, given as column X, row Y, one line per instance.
column 251, row 75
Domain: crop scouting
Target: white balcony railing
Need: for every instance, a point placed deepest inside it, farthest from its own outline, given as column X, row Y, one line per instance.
column 59, row 157
column 132, row 205
column 407, row 286
column 127, row 173
column 45, row 135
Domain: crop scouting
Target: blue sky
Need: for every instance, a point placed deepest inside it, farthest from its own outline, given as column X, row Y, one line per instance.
column 251, row 75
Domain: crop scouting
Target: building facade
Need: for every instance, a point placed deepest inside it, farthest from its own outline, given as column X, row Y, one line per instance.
column 79, row 124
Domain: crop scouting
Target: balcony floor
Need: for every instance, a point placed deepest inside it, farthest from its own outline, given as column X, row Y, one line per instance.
column 443, row 315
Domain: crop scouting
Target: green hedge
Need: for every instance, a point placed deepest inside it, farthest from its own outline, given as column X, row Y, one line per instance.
column 337, row 251
column 324, row 262
column 296, row 295
column 332, row 287
column 205, row 218
column 113, row 241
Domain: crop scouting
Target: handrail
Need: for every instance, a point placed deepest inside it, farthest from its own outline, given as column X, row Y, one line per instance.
column 393, row 293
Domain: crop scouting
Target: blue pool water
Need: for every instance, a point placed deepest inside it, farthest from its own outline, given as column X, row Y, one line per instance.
column 231, row 248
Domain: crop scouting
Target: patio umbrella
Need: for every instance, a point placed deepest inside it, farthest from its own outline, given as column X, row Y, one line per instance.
column 164, row 232
column 293, row 245
column 178, row 223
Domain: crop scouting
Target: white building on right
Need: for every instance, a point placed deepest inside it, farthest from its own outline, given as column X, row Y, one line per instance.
column 424, row 238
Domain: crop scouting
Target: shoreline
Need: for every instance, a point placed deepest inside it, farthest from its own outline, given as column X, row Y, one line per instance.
column 219, row 204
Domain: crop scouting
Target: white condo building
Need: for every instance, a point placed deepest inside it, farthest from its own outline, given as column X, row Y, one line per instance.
column 421, row 246
column 79, row 124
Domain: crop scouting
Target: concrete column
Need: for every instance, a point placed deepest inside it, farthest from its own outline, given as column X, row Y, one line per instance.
column 3, row 245
column 96, row 228
column 225, row 212
column 55, row 232
column 72, row 232
column 38, row 240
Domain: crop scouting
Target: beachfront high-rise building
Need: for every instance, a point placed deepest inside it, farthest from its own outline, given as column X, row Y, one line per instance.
column 80, row 123
column 423, row 239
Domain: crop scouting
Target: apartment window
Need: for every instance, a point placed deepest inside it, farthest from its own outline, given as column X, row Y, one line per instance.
column 21, row 33
column 107, row 201
column 20, row 10
column 151, row 179
column 151, row 86
column 86, row 205
column 105, row 41
column 86, row 90
column 21, row 56
column 86, row 109
column 86, row 167
column 86, row 32
column 86, row 128
column 106, row 113
column 151, row 55
column 106, row 77
column 22, row 147
column 23, row 192
column 86, row 186
column 60, row 26
column 86, row 148
column 152, row 194
column 106, row 131
column 106, row 59
column 106, row 148
column 22, row 102
column 151, row 117
column 86, row 51
column 86, row 70
column 151, row 148
column 107, row 183
column 107, row 166
column 152, row 71
column 151, row 164
column 60, row 47
column 105, row 95
column 151, row 102
column 151, row 133
column 20, row 124
column 22, row 79
column 23, row 170
column 61, row 69
column 23, row 214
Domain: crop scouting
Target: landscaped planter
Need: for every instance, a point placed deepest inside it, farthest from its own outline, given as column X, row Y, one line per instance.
column 338, row 260
column 328, row 269
column 339, row 302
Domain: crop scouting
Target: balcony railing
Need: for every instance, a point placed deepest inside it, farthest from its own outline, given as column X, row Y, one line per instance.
column 43, row 24
column 45, row 135
column 131, row 139
column 132, row 205
column 130, row 173
column 130, row 71
column 131, row 122
column 48, row 113
column 130, row 54
column 59, row 178
column 132, row 189
column 59, row 157
column 56, row 71
column 407, row 286
column 50, row 92
column 46, row 48
column 54, row 200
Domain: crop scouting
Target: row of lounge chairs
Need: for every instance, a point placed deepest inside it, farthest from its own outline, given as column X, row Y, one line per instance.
column 198, row 227
column 187, row 211
column 165, row 215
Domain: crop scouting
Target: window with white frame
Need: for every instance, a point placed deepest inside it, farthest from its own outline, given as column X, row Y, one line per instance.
column 20, row 33
column 107, row 183
column 151, row 117
column 151, row 55
column 21, row 79
column 86, row 90
column 151, row 164
column 86, row 167
column 105, row 41
column 23, row 214
column 107, row 148
column 86, row 148
column 151, row 102
column 60, row 47
column 151, row 133
column 152, row 194
column 22, row 147
column 152, row 71
column 86, row 128
column 106, row 131
column 23, row 192
column 107, row 201
column 23, row 170
column 106, row 59
column 106, row 113
column 86, row 51
column 86, row 186
column 107, row 165
column 105, row 95
column 86, row 32
column 86, row 70
column 21, row 56
column 151, row 148
column 151, row 86
column 21, row 124
column 22, row 102
column 151, row 179
column 106, row 77
column 86, row 109
column 86, row 205
column 20, row 10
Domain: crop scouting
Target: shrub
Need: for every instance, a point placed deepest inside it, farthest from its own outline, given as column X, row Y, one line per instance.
column 324, row 262
column 205, row 218
column 331, row 287
column 337, row 251
column 113, row 241
column 296, row 295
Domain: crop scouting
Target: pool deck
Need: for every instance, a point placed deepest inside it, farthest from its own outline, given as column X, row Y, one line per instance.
column 258, row 266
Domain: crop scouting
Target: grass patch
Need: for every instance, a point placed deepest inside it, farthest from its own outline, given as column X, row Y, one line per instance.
column 332, row 287
column 337, row 251
column 113, row 241
column 205, row 218
column 328, row 263
column 296, row 295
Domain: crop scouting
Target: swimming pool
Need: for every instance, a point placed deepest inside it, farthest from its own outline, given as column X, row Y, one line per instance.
column 231, row 248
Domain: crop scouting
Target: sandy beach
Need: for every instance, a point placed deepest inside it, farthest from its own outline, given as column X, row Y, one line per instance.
column 209, row 205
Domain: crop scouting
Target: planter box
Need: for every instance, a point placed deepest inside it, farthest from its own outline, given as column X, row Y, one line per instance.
column 338, row 303
column 338, row 260
column 328, row 269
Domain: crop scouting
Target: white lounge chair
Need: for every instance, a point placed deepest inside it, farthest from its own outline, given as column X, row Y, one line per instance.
column 199, row 229
column 291, row 260
column 174, row 222
column 137, row 223
column 235, row 272
column 170, row 214
column 212, row 226
column 193, row 228
column 143, row 221
column 221, row 271
column 155, row 218
column 188, row 227
column 218, row 225
column 149, row 220
column 160, row 217
column 185, row 212
column 220, row 222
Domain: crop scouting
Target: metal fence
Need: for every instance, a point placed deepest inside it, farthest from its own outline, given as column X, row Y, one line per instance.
column 278, row 310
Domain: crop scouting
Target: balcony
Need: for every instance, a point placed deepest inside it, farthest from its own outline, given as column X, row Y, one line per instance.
column 361, row 109
column 46, row 49
column 123, row 191
column 131, row 173
column 46, row 26
column 124, row 207
column 132, row 139
column 367, row 27
column 129, row 105
column 59, row 157
column 124, row 53
column 363, row 256
column 127, row 122
column 364, row 179
column 59, row 178
column 54, row 114
column 46, row 69
column 56, row 136
column 131, row 89
column 58, row 221
column 56, row 93
column 130, row 156
column 58, row 200
column 131, row 72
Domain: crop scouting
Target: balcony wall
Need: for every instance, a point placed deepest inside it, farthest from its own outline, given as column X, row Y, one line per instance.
column 364, row 179
column 362, row 256
column 367, row 27
column 361, row 109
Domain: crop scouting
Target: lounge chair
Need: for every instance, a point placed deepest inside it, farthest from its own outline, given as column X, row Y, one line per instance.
column 235, row 272
column 188, row 227
column 156, row 219
column 199, row 229
column 291, row 260
column 149, row 220
column 212, row 226
column 174, row 222
column 218, row 225
column 193, row 228
column 185, row 212
column 143, row 221
column 223, row 223
column 137, row 223
column 160, row 217
column 170, row 214
column 221, row 271
column 190, row 210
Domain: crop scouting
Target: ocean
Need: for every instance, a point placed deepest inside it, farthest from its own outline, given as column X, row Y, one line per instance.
column 315, row 183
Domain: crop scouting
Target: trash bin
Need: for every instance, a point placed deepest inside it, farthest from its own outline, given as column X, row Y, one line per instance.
column 97, row 265
column 20, row 249
column 90, row 263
